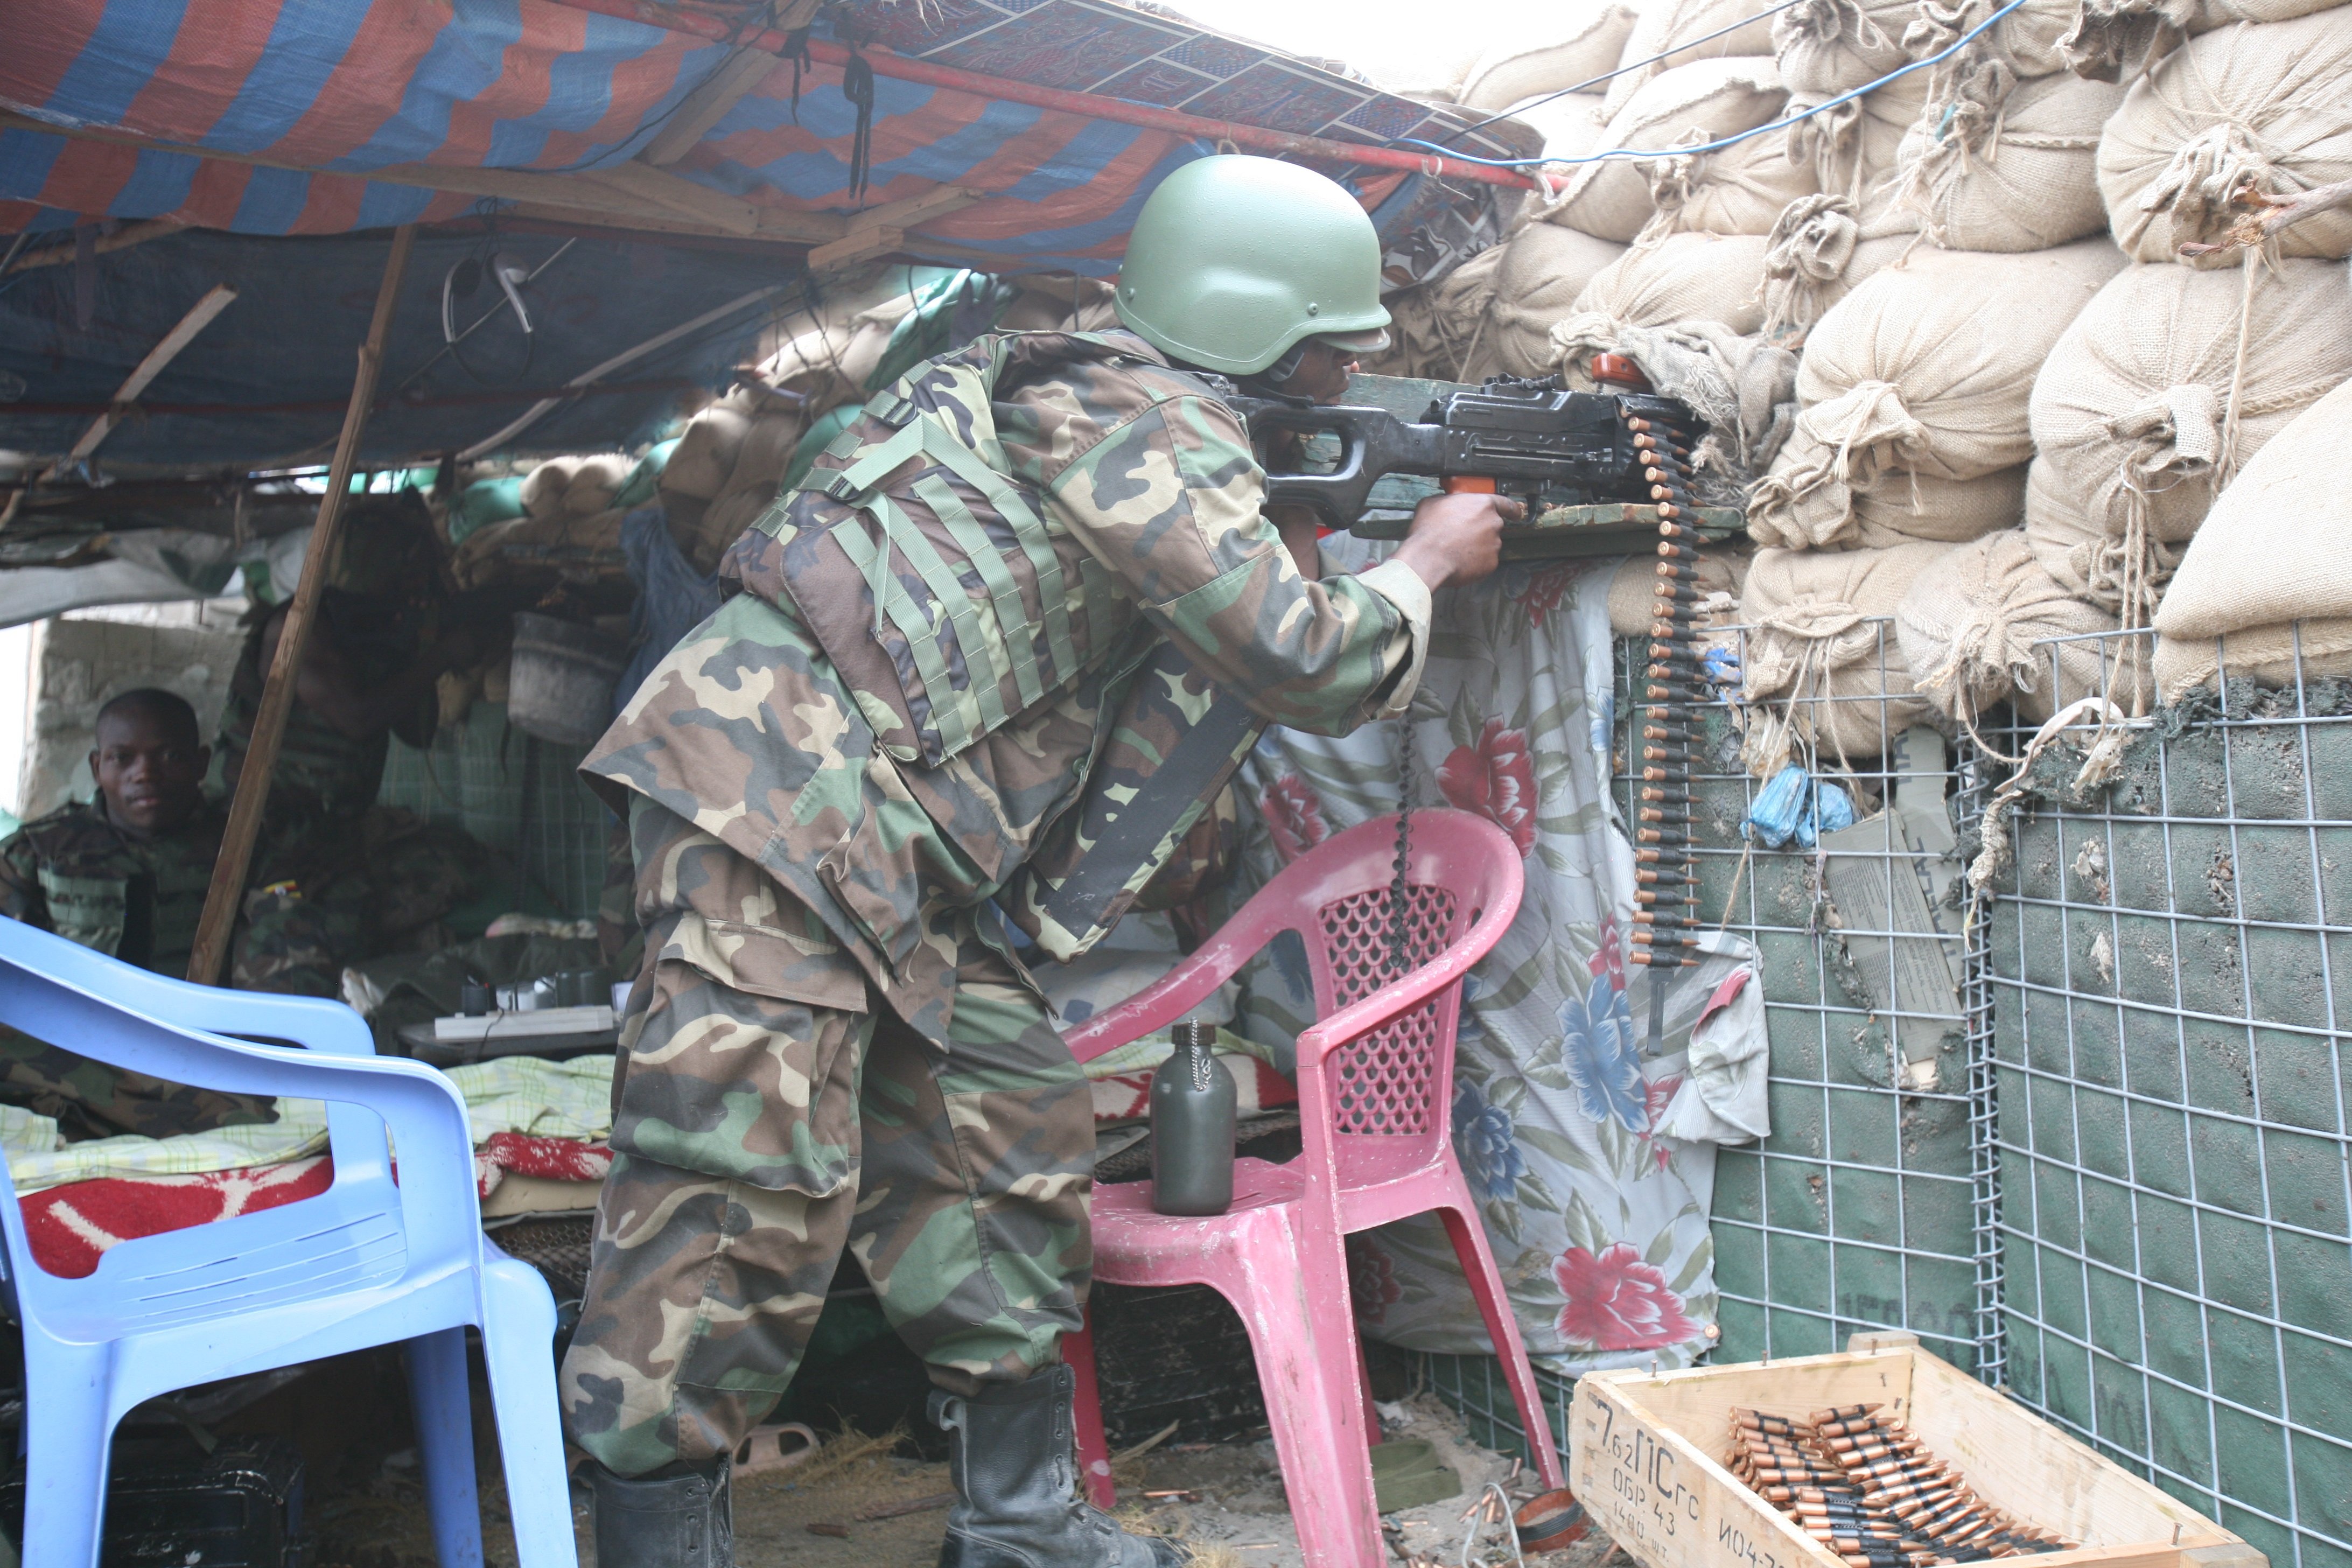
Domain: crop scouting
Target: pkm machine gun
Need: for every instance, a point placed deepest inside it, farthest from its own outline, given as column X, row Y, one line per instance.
column 1572, row 456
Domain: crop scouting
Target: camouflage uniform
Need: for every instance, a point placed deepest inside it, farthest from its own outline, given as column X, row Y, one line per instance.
column 345, row 890
column 75, row 873
column 833, row 1042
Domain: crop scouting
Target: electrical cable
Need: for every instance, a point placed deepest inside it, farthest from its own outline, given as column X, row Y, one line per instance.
column 1782, row 124
column 1608, row 76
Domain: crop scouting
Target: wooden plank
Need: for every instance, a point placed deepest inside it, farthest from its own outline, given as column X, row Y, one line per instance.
column 2020, row 1463
column 910, row 211
column 227, row 890
column 663, row 189
column 200, row 316
column 122, row 238
column 708, row 104
column 859, row 245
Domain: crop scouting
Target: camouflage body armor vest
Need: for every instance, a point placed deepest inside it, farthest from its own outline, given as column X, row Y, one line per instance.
column 949, row 607
column 930, row 576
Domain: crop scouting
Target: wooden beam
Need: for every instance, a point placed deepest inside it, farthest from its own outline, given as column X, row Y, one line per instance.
column 659, row 188
column 859, row 245
column 198, row 318
column 879, row 230
column 227, row 890
column 122, row 238
column 708, row 104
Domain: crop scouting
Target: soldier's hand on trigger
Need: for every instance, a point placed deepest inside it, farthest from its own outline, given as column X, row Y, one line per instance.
column 1458, row 538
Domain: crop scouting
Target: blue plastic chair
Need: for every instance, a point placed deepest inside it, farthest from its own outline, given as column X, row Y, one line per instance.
column 368, row 1262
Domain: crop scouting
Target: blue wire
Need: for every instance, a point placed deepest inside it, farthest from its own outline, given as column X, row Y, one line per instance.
column 1962, row 42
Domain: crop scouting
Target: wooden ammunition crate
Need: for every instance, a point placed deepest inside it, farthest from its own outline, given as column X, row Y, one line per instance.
column 1646, row 1451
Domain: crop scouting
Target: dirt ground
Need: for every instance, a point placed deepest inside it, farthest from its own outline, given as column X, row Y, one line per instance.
column 1224, row 1500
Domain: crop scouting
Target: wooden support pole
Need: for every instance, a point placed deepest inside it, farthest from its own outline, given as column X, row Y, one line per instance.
column 227, row 890
column 158, row 358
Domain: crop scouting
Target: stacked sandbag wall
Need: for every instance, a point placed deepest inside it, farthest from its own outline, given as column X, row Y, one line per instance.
column 1993, row 301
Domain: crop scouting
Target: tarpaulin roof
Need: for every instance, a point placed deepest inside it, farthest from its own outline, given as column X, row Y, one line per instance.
column 289, row 117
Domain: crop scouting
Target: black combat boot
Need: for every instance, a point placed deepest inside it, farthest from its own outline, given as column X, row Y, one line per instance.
column 680, row 1515
column 1016, row 1504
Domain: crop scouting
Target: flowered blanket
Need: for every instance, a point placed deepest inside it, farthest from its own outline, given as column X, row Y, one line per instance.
column 1599, row 1224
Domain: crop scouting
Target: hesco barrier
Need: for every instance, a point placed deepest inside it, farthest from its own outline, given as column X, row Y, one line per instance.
column 2116, row 1178
column 2164, row 957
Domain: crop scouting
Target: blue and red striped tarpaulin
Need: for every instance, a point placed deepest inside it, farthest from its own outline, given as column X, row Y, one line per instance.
column 285, row 107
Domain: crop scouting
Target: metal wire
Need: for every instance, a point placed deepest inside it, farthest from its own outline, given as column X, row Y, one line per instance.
column 2172, row 1113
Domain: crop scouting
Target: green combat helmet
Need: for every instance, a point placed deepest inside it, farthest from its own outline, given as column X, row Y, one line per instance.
column 1234, row 259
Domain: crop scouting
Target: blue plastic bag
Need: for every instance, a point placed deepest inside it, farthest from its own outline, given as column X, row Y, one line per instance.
column 1792, row 806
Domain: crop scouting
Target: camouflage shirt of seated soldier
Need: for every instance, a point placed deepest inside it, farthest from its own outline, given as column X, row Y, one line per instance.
column 125, row 873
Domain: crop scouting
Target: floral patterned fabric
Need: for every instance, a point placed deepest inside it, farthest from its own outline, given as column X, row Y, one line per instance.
column 1599, row 1225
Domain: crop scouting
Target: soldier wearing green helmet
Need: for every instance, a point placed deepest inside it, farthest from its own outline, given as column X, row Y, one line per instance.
column 986, row 668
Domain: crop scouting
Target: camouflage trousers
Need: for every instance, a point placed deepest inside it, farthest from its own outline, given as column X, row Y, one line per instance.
column 965, row 1202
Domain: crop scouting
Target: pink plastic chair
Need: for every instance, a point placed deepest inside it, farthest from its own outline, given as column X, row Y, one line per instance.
column 1375, row 1092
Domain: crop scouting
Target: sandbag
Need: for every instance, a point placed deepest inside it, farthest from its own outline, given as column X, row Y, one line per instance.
column 2009, row 164
column 1544, row 272
column 2268, row 107
column 1740, row 189
column 767, row 449
column 2271, row 572
column 1572, row 44
column 2116, row 41
column 2025, row 41
column 1829, row 47
column 1633, row 588
column 1927, row 367
column 1666, row 25
column 1817, row 648
column 1814, row 256
column 1969, row 631
column 705, row 456
column 543, row 487
column 1855, row 150
column 1685, row 277
column 1434, row 327
column 1570, row 126
column 1688, row 105
column 2146, row 408
column 719, row 525
column 1904, row 507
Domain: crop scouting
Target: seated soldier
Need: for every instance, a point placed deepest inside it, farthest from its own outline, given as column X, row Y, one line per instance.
column 125, row 874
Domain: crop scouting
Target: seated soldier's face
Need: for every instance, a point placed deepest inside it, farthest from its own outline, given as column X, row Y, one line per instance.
column 149, row 769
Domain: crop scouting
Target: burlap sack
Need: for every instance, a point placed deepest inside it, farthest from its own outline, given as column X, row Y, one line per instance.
column 1814, row 256
column 1571, row 127
column 766, row 452
column 1434, row 327
column 2026, row 40
column 1544, row 272
column 2271, row 572
column 1855, row 147
column 543, row 487
column 574, row 486
column 2009, row 164
column 704, row 458
column 1970, row 631
column 1824, row 666
column 1058, row 304
column 2116, row 41
column 2166, row 384
column 1667, row 25
column 1829, row 47
column 1742, row 387
column 1570, row 44
column 1688, row 105
column 1903, row 508
column 1685, row 277
column 2266, row 107
column 1633, row 588
column 1740, row 189
column 1929, row 368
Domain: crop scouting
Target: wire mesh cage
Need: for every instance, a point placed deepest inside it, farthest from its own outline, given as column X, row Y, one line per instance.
column 1861, row 1210
column 2172, row 1090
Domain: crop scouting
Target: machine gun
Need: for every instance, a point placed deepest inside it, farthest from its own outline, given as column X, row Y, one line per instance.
column 1570, row 455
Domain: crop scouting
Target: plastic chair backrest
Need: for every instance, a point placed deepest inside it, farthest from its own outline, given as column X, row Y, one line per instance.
column 115, row 1013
